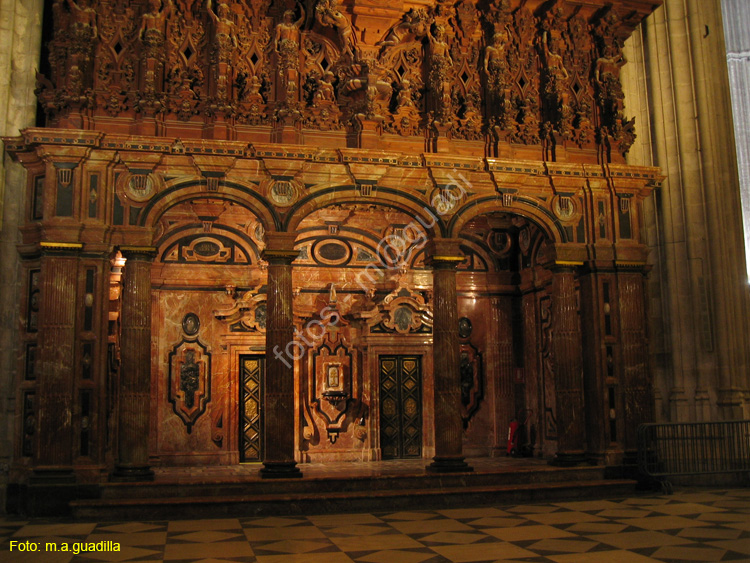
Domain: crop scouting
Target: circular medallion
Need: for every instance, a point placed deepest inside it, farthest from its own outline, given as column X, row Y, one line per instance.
column 283, row 192
column 499, row 241
column 464, row 327
column 191, row 324
column 564, row 207
column 140, row 187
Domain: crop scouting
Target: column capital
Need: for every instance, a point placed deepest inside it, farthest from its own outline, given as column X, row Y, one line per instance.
column 47, row 248
column 147, row 253
column 280, row 247
column 444, row 253
column 564, row 266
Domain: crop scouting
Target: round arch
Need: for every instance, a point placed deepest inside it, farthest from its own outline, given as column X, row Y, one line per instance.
column 388, row 197
column 522, row 206
column 232, row 191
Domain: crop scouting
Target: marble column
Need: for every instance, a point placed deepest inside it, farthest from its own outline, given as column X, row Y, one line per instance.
column 278, row 394
column 568, row 366
column 56, row 369
column 443, row 256
column 135, row 366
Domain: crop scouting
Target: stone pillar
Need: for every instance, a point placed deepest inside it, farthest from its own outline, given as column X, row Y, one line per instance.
column 444, row 255
column 56, row 369
column 677, row 82
column 636, row 378
column 135, row 366
column 278, row 395
column 568, row 366
column 19, row 57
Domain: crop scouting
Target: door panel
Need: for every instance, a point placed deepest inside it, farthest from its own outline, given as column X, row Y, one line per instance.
column 400, row 406
column 252, row 370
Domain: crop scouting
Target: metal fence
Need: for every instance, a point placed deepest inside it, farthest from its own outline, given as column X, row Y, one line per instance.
column 699, row 448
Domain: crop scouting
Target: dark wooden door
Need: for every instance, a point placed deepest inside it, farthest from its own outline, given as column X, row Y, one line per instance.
column 400, row 406
column 252, row 370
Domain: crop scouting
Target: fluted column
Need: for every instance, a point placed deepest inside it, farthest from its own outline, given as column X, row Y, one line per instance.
column 636, row 377
column 444, row 255
column 594, row 338
column 56, row 370
column 135, row 366
column 278, row 395
column 568, row 366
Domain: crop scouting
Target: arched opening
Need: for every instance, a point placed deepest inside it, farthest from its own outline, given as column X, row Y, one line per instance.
column 504, row 306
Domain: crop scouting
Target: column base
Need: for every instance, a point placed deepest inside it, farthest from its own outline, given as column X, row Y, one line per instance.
column 52, row 476
column 132, row 474
column 280, row 470
column 563, row 459
column 449, row 465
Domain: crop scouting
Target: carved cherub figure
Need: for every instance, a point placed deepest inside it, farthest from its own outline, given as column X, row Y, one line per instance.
column 325, row 91
column 415, row 21
column 327, row 14
column 404, row 98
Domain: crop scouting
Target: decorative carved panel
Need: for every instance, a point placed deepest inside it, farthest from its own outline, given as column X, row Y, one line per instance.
column 529, row 73
column 401, row 312
column 252, row 371
column 189, row 381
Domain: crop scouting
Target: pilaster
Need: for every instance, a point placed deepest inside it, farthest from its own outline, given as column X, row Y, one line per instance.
column 135, row 367
column 566, row 350
column 56, row 370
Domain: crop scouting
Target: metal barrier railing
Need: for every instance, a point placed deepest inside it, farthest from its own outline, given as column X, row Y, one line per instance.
column 696, row 448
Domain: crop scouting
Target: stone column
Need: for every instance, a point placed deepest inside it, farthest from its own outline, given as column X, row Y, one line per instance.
column 444, row 255
column 677, row 82
column 19, row 57
column 56, row 369
column 568, row 366
column 278, row 395
column 135, row 366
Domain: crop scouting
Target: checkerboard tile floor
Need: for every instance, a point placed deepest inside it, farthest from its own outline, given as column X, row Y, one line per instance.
column 691, row 525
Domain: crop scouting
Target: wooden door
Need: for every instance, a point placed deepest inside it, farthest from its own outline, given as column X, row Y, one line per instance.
column 400, row 406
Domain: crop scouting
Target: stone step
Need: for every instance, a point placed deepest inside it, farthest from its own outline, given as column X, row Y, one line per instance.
column 358, row 483
column 323, row 502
